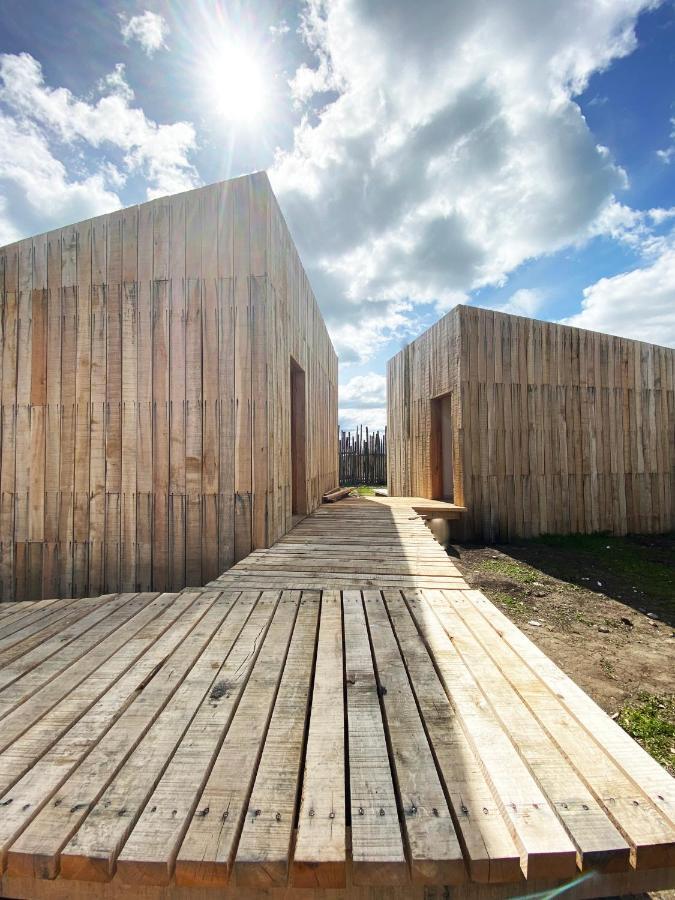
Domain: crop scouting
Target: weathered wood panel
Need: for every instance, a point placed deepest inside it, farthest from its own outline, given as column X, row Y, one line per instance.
column 145, row 394
column 554, row 429
column 409, row 736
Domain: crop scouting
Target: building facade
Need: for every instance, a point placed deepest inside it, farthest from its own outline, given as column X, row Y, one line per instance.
column 169, row 395
column 534, row 427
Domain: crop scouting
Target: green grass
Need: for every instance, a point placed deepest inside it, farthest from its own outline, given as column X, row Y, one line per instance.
column 508, row 600
column 644, row 563
column 650, row 719
column 515, row 571
column 365, row 490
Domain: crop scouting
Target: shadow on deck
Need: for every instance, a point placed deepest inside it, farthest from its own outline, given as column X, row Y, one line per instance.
column 337, row 713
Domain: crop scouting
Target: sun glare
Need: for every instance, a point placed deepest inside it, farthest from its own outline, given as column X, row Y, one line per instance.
column 236, row 84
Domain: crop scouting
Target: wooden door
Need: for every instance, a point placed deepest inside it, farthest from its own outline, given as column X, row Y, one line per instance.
column 298, row 441
column 442, row 483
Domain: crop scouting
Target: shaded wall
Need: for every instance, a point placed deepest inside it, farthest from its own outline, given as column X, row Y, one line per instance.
column 145, row 392
column 555, row 429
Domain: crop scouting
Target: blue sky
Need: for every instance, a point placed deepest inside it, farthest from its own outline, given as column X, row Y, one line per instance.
column 516, row 154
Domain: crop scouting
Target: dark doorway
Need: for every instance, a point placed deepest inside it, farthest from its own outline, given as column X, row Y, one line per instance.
column 442, row 484
column 298, row 441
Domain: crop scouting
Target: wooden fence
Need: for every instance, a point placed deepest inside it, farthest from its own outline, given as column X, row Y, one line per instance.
column 363, row 457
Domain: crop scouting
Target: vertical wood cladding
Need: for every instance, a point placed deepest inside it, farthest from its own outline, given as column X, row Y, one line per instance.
column 145, row 394
column 555, row 429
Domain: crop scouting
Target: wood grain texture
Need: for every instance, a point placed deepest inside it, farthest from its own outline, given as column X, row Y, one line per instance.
column 554, row 429
column 145, row 404
column 332, row 740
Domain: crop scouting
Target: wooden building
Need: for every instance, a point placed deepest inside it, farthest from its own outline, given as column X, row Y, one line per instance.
column 534, row 427
column 169, row 395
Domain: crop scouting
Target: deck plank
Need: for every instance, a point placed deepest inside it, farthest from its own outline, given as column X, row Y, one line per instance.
column 599, row 844
column 38, row 622
column 207, row 852
column 263, row 853
column 650, row 835
column 57, row 753
column 433, row 848
column 378, row 857
column 15, row 610
column 544, row 846
column 319, row 859
column 638, row 765
column 36, row 852
column 149, row 854
column 62, row 700
column 34, row 669
column 489, row 848
column 91, row 853
column 174, row 744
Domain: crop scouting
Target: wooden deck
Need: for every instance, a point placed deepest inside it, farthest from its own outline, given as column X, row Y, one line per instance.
column 432, row 509
column 338, row 712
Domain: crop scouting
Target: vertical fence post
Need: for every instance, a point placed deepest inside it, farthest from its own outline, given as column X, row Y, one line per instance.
column 363, row 458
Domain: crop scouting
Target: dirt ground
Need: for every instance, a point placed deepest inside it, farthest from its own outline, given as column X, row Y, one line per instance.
column 603, row 609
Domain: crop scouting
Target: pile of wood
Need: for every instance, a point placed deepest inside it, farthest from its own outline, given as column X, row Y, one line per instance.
column 336, row 494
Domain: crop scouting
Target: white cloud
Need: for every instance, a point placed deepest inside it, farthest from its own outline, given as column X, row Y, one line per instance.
column 280, row 30
column 634, row 227
column 359, row 330
column 50, row 135
column 362, row 401
column 639, row 304
column 8, row 232
column 667, row 155
column 364, row 391
column 28, row 164
column 115, row 82
column 149, row 29
column 524, row 302
column 448, row 150
column 373, row 418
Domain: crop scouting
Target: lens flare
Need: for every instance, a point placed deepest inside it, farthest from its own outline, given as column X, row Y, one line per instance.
column 235, row 83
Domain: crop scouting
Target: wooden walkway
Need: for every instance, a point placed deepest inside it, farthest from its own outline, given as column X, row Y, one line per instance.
column 337, row 712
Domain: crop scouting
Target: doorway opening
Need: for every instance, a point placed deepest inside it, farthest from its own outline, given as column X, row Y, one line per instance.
column 442, row 482
column 298, row 442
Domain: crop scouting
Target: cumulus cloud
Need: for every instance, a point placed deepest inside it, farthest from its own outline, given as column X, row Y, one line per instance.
column 149, row 29
column 638, row 304
column 441, row 147
column 8, row 232
column 634, row 227
column 359, row 330
column 667, row 155
column 64, row 157
column 115, row 82
column 27, row 162
column 351, row 418
column 364, row 391
column 363, row 402
column 524, row 302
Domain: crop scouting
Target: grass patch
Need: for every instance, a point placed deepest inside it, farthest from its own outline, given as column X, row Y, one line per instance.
column 508, row 600
column 641, row 561
column 650, row 719
column 513, row 570
column 365, row 490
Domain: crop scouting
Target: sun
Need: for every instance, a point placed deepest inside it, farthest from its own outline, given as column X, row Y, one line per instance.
column 236, row 84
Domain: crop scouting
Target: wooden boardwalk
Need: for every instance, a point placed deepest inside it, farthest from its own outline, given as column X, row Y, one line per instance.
column 337, row 716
